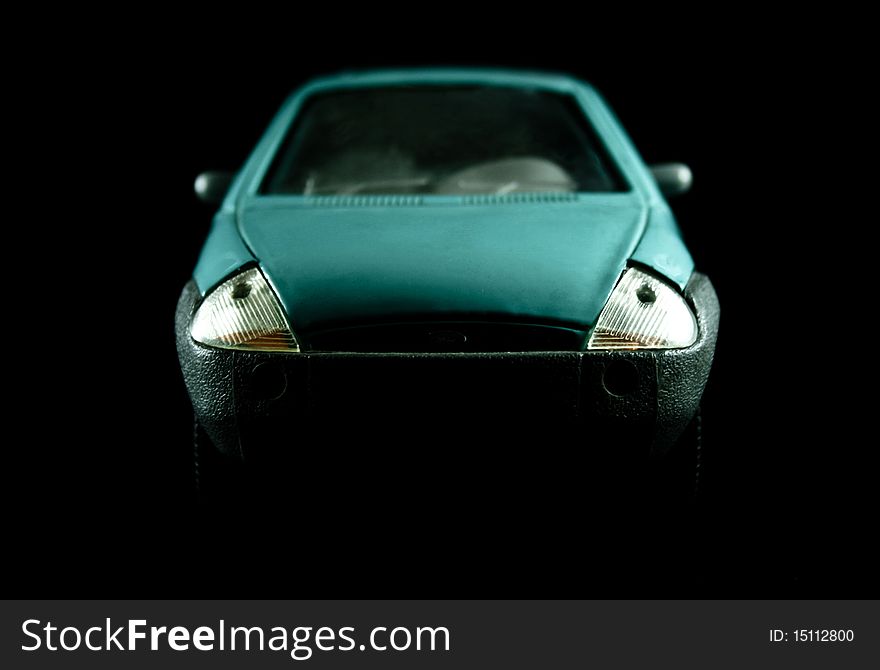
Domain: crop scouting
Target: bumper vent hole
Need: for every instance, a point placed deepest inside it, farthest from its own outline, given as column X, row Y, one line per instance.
column 620, row 378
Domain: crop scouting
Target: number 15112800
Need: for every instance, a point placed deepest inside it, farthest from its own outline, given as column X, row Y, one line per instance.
column 812, row 635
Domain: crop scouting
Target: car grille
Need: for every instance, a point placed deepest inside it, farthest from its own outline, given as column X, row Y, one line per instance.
column 448, row 337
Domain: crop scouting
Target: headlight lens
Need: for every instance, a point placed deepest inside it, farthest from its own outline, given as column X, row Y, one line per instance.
column 243, row 313
column 643, row 313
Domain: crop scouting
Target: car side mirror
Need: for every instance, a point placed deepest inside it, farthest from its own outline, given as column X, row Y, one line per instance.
column 672, row 178
column 211, row 187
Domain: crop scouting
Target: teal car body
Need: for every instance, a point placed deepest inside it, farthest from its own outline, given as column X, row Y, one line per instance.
column 442, row 301
column 549, row 258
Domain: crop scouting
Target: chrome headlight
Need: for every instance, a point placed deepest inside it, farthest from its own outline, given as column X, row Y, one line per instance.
column 643, row 313
column 243, row 313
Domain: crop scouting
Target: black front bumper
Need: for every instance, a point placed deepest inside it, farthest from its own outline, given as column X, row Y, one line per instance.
column 259, row 406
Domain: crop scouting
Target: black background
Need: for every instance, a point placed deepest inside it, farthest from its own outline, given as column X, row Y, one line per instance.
column 99, row 484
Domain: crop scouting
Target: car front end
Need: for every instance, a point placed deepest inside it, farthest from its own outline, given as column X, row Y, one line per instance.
column 370, row 294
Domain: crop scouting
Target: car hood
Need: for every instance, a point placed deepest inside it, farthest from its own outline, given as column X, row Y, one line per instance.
column 538, row 259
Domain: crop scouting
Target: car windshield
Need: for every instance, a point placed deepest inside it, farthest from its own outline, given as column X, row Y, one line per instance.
column 440, row 140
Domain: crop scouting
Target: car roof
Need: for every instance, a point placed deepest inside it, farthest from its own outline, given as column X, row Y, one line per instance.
column 441, row 75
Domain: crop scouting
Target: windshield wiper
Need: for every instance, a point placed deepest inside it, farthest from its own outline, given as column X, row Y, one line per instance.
column 357, row 187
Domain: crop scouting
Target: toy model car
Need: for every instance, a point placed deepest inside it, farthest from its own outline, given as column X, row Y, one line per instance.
column 479, row 247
